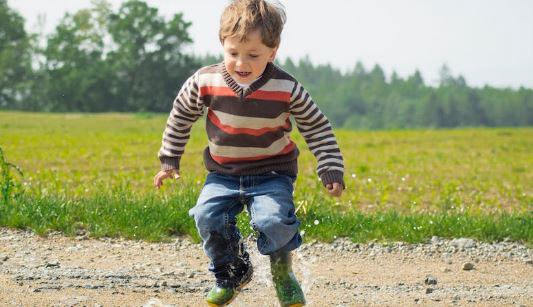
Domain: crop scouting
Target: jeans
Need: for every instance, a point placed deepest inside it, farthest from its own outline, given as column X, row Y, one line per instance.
column 268, row 199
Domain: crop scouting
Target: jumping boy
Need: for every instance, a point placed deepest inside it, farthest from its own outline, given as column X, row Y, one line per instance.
column 250, row 157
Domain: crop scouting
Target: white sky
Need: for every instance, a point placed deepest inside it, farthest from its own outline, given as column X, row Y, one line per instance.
column 487, row 41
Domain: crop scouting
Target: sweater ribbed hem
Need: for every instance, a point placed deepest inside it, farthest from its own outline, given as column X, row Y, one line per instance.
column 170, row 163
column 285, row 163
column 333, row 176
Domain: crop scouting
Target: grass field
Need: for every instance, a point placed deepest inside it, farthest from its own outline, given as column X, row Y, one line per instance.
column 95, row 172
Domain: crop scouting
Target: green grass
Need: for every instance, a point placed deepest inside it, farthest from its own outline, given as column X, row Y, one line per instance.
column 94, row 171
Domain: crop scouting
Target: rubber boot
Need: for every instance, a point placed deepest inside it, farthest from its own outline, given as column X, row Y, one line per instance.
column 288, row 289
column 229, row 284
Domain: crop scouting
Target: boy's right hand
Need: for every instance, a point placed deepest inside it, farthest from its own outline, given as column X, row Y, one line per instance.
column 162, row 175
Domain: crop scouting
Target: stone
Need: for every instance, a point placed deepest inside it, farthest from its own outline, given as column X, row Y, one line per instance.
column 52, row 264
column 463, row 243
column 467, row 266
column 430, row 280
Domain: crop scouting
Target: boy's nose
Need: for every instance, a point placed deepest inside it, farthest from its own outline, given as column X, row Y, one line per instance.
column 240, row 62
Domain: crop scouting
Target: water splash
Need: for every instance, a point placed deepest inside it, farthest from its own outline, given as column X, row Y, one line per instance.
column 302, row 267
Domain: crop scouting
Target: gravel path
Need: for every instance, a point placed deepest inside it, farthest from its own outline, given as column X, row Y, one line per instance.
column 63, row 271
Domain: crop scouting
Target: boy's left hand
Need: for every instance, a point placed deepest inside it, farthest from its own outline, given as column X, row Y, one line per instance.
column 334, row 189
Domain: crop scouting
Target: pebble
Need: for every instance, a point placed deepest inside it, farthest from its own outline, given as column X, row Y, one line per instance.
column 467, row 266
column 430, row 280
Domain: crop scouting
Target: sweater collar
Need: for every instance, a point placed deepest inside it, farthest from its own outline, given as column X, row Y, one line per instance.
column 237, row 89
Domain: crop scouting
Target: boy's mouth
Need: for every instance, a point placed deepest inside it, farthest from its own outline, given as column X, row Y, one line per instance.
column 243, row 74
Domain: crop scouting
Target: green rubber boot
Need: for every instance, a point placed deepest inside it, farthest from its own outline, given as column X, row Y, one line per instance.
column 288, row 289
column 221, row 296
column 229, row 284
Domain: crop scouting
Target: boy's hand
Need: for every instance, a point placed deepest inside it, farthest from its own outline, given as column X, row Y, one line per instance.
column 334, row 189
column 162, row 175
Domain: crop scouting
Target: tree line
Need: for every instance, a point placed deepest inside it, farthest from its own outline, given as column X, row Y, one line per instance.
column 134, row 60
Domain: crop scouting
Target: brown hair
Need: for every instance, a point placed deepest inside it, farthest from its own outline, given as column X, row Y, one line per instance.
column 241, row 17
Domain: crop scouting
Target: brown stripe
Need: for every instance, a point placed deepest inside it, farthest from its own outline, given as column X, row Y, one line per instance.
column 250, row 107
column 222, row 138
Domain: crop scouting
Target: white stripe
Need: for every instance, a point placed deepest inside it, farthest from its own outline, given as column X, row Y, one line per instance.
column 278, row 85
column 322, row 141
column 236, row 121
column 168, row 145
column 321, row 134
column 181, row 121
column 212, row 79
column 245, row 152
column 165, row 153
column 296, row 92
column 322, row 162
column 173, row 125
column 300, row 116
column 313, row 130
column 171, row 137
column 327, row 147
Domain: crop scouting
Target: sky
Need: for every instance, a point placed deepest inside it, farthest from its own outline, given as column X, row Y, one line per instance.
column 486, row 41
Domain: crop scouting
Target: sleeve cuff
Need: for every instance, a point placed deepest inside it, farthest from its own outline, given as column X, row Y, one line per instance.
column 169, row 163
column 333, row 176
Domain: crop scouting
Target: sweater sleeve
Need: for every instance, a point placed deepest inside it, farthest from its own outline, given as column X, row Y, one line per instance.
column 187, row 108
column 318, row 134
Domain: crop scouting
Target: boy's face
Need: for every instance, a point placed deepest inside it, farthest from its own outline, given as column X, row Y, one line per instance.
column 245, row 61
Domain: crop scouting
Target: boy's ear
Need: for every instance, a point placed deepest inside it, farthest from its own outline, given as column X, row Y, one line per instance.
column 273, row 54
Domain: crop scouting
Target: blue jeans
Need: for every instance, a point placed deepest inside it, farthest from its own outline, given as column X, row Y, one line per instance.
column 268, row 199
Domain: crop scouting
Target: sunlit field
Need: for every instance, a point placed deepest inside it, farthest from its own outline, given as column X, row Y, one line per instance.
column 480, row 174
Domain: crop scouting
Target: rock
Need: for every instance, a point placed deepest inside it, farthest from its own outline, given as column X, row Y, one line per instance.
column 526, row 261
column 467, row 266
column 3, row 258
column 429, row 290
column 435, row 240
column 430, row 280
column 446, row 270
column 75, row 301
column 52, row 264
column 463, row 243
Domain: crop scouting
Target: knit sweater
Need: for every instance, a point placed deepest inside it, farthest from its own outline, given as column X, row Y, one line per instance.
column 249, row 129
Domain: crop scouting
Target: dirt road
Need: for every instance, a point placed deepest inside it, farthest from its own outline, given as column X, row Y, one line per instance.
column 62, row 271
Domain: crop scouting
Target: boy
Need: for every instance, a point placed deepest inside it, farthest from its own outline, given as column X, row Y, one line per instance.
column 251, row 159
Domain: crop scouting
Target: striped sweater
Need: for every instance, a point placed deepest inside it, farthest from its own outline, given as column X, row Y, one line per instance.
column 249, row 130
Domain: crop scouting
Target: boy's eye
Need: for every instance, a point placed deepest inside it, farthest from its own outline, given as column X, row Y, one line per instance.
column 233, row 54
column 253, row 55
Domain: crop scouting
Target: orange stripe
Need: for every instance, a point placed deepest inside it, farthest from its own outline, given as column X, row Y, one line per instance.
column 216, row 91
column 270, row 95
column 232, row 130
column 223, row 160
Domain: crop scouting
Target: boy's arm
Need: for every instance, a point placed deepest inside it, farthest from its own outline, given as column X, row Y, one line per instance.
column 187, row 108
column 318, row 134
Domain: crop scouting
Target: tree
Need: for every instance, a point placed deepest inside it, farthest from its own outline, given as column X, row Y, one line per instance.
column 149, row 61
column 15, row 57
